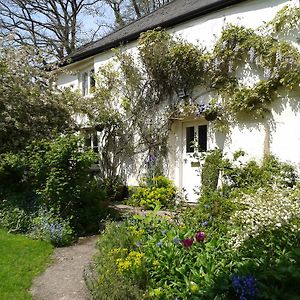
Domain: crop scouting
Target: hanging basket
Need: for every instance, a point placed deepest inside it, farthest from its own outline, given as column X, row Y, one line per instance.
column 211, row 116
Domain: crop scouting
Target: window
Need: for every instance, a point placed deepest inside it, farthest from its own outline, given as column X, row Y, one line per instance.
column 88, row 82
column 92, row 141
column 190, row 137
column 202, row 138
column 85, row 84
column 199, row 134
column 92, row 81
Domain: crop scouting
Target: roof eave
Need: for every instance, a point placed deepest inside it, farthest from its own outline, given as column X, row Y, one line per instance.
column 169, row 23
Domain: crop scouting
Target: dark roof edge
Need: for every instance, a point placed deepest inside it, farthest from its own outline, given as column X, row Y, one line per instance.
column 131, row 37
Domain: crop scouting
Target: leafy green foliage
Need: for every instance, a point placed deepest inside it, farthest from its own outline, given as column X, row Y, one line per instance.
column 157, row 191
column 14, row 219
column 287, row 19
column 31, row 107
column 104, row 279
column 172, row 64
column 54, row 176
column 49, row 226
column 59, row 171
column 211, row 170
column 253, row 176
column 240, row 241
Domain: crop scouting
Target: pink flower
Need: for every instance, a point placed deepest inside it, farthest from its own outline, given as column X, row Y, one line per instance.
column 187, row 243
column 200, row 236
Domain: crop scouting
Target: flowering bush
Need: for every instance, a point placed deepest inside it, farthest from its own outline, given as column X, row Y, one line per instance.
column 265, row 210
column 239, row 243
column 49, row 226
column 158, row 191
column 244, row 286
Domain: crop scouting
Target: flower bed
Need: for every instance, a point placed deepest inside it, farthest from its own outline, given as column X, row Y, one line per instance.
column 236, row 244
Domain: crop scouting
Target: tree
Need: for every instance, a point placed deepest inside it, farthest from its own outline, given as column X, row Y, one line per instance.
column 144, row 7
column 30, row 107
column 51, row 25
column 128, row 11
column 116, row 6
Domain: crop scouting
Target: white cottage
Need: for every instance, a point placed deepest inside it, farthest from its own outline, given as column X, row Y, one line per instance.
column 202, row 21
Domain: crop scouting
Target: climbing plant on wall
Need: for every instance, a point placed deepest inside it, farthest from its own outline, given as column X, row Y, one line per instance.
column 148, row 84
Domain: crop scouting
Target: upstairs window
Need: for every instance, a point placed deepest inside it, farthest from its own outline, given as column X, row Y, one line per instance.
column 88, row 82
column 85, row 84
column 92, row 81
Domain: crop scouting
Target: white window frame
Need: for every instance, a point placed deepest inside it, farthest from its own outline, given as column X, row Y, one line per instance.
column 89, row 140
column 87, row 82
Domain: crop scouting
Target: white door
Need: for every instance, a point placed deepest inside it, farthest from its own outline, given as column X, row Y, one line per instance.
column 194, row 136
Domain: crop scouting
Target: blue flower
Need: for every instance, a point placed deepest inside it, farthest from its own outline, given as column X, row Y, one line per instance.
column 150, row 160
column 176, row 240
column 159, row 244
column 244, row 286
column 138, row 244
column 205, row 223
column 164, row 231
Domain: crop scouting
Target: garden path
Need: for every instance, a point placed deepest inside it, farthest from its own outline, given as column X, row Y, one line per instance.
column 63, row 280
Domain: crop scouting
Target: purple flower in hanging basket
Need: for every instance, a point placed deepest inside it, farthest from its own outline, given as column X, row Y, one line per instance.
column 150, row 160
column 209, row 111
column 200, row 236
column 187, row 243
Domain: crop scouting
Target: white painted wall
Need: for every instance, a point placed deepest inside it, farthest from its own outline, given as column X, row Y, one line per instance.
column 252, row 137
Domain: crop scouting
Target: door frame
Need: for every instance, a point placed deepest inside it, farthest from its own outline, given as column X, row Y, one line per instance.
column 183, row 125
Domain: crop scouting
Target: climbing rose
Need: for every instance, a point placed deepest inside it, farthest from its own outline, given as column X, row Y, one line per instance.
column 187, row 243
column 200, row 236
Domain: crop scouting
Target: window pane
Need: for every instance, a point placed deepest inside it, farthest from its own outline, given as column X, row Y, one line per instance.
column 84, row 84
column 190, row 137
column 92, row 81
column 95, row 143
column 202, row 138
column 87, row 141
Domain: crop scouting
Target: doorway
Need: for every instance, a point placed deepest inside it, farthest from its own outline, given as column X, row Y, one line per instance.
column 194, row 140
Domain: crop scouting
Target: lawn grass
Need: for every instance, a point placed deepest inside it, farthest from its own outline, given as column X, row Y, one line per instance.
column 21, row 259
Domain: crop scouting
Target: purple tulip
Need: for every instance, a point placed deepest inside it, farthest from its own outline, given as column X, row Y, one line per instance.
column 187, row 243
column 200, row 236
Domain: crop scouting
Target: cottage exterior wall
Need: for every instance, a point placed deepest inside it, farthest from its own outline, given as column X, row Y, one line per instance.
column 279, row 134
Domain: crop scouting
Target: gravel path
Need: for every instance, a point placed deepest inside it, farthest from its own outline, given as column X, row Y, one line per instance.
column 63, row 280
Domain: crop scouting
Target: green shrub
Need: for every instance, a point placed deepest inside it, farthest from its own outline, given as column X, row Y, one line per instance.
column 238, row 243
column 210, row 171
column 95, row 208
column 55, row 175
column 105, row 278
column 252, row 176
column 159, row 191
column 14, row 219
column 59, row 171
column 48, row 226
column 115, row 188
